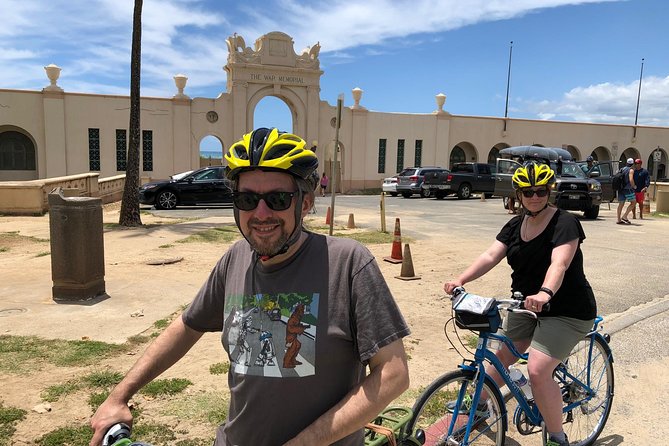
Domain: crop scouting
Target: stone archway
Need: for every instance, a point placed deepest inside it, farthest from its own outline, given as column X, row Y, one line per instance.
column 296, row 105
column 18, row 154
column 273, row 68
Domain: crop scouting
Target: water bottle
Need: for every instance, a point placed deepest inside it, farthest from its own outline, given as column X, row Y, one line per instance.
column 519, row 379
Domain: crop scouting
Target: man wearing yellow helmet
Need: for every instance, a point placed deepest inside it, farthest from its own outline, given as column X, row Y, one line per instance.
column 319, row 304
column 542, row 246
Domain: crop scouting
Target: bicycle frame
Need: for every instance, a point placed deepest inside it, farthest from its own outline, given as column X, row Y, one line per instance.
column 483, row 354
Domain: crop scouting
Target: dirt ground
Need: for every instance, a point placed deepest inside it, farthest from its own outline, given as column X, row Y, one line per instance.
column 422, row 303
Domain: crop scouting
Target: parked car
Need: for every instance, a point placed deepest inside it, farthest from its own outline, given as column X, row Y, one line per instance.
column 410, row 180
column 204, row 186
column 572, row 190
column 603, row 172
column 389, row 185
column 463, row 179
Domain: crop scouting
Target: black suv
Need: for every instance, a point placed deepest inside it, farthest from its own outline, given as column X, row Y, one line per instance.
column 410, row 180
column 572, row 190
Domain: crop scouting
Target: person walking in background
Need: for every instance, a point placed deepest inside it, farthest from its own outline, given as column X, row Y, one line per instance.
column 642, row 182
column 324, row 184
column 351, row 362
column 627, row 194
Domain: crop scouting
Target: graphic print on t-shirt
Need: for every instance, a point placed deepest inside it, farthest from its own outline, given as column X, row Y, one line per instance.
column 271, row 335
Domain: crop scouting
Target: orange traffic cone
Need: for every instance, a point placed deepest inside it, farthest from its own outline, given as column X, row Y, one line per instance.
column 351, row 222
column 328, row 216
column 396, row 253
column 407, row 272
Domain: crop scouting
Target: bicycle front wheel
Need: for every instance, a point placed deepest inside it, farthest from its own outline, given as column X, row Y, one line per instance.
column 433, row 414
column 594, row 368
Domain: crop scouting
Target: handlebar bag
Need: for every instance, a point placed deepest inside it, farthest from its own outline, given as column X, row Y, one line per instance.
column 476, row 313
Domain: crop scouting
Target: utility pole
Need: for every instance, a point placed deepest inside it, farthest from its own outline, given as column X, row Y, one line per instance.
column 508, row 82
column 638, row 96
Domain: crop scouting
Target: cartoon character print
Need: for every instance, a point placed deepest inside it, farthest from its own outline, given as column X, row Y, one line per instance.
column 294, row 328
column 266, row 355
column 245, row 322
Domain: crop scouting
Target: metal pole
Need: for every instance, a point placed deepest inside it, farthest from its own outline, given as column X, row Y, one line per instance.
column 656, row 164
column 333, row 179
column 508, row 81
column 638, row 96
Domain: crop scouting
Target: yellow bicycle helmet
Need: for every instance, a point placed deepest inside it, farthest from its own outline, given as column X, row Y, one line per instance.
column 270, row 149
column 533, row 174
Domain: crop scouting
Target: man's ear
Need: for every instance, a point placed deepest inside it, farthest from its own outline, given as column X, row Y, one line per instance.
column 307, row 204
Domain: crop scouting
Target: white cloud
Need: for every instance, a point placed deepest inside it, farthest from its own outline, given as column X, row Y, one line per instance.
column 609, row 102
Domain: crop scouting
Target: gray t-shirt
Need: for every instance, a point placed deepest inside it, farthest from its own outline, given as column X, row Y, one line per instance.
column 298, row 334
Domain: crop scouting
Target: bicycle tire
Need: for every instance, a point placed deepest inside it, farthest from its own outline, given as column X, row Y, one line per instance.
column 433, row 418
column 585, row 423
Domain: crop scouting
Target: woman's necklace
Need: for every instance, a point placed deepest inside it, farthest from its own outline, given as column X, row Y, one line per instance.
column 539, row 222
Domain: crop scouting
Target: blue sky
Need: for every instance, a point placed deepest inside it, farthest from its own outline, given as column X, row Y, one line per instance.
column 572, row 60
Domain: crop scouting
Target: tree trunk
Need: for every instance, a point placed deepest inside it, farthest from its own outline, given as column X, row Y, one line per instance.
column 130, row 204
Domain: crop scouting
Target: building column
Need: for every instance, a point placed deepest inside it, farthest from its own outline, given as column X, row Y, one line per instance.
column 54, row 134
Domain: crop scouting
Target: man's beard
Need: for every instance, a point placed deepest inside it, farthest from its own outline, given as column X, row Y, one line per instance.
column 267, row 247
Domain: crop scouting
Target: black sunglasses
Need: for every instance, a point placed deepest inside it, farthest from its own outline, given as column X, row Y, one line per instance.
column 276, row 201
column 527, row 193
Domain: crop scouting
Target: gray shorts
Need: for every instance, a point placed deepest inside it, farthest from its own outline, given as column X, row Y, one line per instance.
column 554, row 336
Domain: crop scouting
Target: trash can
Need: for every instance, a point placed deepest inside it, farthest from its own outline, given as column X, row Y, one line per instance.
column 77, row 247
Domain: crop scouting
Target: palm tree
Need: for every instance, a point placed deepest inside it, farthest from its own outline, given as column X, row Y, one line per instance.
column 130, row 202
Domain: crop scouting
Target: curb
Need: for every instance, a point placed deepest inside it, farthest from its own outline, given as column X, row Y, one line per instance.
column 620, row 321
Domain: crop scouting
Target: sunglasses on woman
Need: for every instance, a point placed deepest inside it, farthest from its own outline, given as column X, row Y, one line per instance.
column 276, row 201
column 528, row 193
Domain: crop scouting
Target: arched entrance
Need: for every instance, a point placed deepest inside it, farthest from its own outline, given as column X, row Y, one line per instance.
column 211, row 151
column 601, row 153
column 273, row 111
column 272, row 68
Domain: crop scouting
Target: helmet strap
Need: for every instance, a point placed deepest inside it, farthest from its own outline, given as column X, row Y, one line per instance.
column 534, row 214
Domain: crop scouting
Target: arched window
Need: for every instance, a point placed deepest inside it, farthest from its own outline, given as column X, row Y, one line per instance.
column 493, row 155
column 17, row 151
column 457, row 156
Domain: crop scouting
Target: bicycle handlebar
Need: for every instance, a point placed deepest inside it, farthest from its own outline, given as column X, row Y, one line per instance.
column 515, row 304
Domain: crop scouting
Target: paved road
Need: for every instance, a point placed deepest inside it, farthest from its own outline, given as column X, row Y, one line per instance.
column 626, row 265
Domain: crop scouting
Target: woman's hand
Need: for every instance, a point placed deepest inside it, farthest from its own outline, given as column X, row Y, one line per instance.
column 536, row 302
column 450, row 286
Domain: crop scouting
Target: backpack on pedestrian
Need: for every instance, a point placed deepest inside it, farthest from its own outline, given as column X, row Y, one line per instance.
column 619, row 180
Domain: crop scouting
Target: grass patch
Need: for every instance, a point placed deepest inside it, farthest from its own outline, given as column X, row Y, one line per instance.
column 9, row 416
column 160, row 387
column 21, row 352
column 471, row 340
column 154, row 433
column 138, row 339
column 209, row 407
column 67, row 436
column 169, row 245
column 660, row 214
column 221, row 234
column 103, row 380
column 220, row 368
column 43, row 253
column 53, row 393
column 97, row 398
column 4, row 249
column 161, row 324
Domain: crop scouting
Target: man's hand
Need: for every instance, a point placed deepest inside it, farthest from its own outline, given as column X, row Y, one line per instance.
column 109, row 413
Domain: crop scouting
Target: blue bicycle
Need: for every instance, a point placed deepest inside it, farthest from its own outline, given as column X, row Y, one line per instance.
column 451, row 412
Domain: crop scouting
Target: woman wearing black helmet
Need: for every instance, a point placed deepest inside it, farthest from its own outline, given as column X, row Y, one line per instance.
column 542, row 246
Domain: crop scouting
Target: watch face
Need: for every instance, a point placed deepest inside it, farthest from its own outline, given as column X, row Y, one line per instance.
column 212, row 116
